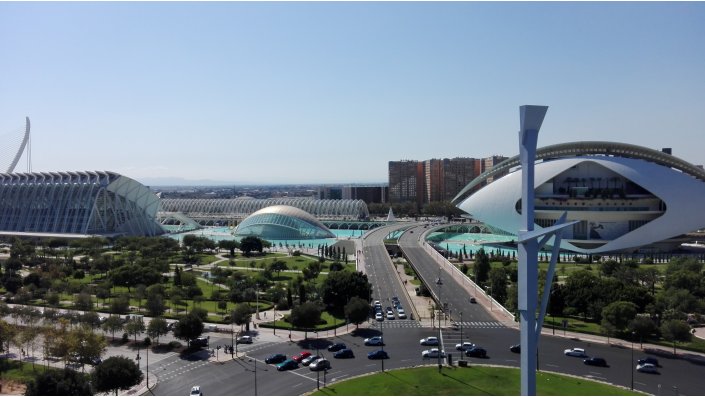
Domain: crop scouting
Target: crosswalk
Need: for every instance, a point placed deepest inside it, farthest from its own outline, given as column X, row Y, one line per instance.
column 417, row 324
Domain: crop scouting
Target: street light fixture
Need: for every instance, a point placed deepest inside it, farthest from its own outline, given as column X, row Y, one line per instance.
column 439, row 283
column 632, row 363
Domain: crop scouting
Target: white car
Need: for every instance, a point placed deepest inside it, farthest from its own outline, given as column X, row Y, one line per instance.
column 433, row 353
column 319, row 364
column 379, row 316
column 430, row 341
column 464, row 346
column 244, row 339
column 390, row 316
column 196, row 391
column 374, row 341
column 575, row 352
column 401, row 313
column 646, row 367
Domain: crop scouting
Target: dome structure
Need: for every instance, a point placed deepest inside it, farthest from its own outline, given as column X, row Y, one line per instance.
column 282, row 222
column 624, row 197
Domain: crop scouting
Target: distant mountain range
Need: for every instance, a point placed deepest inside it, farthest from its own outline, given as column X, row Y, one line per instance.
column 177, row 181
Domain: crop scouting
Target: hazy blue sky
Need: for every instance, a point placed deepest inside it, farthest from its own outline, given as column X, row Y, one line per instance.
column 330, row 92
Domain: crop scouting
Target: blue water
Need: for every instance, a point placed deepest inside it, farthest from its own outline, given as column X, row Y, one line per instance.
column 470, row 241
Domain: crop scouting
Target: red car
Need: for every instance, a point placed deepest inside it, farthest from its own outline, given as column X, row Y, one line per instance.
column 301, row 356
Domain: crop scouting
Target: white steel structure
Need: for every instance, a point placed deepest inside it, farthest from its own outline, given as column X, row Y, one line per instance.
column 281, row 222
column 622, row 197
column 11, row 147
column 84, row 202
column 238, row 208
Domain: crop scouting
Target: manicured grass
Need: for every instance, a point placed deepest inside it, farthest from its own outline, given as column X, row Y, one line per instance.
column 470, row 381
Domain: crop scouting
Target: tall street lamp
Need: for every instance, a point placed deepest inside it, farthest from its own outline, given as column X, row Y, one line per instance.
column 632, row 363
column 439, row 283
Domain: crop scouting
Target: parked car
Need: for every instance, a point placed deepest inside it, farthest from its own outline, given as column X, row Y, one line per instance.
column 390, row 316
column 476, row 351
column 648, row 360
column 244, row 339
column 199, row 342
column 430, row 341
column 196, row 391
column 378, row 355
column 648, row 368
column 319, row 365
column 308, row 360
column 287, row 364
column 575, row 352
column 464, row 346
column 432, row 353
column 336, row 346
column 596, row 361
column 515, row 348
column 344, row 353
column 374, row 341
column 301, row 356
column 401, row 313
column 473, row 300
column 275, row 358
column 379, row 316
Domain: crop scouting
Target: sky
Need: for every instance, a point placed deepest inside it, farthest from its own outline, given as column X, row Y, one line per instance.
column 319, row 92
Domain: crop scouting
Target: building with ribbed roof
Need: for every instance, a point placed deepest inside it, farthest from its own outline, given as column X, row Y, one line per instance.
column 282, row 222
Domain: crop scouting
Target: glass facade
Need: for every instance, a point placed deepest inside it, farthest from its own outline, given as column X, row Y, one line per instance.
column 281, row 222
column 101, row 203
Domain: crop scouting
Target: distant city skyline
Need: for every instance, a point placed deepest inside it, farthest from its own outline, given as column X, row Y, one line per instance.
column 257, row 93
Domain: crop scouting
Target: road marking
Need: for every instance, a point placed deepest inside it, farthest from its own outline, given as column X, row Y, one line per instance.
column 551, row 365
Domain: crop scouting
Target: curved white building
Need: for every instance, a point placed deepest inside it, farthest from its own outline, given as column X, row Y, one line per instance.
column 281, row 222
column 625, row 197
column 78, row 203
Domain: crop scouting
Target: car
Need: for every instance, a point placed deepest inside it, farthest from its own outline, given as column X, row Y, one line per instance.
column 647, row 367
column 319, row 365
column 390, row 316
column 196, row 391
column 301, row 356
column 476, row 351
column 336, row 346
column 287, row 364
column 244, row 339
column 464, row 346
column 648, row 360
column 473, row 300
column 401, row 313
column 275, row 358
column 378, row 355
column 515, row 348
column 374, row 341
column 575, row 352
column 430, row 341
column 308, row 360
column 379, row 316
column 389, row 309
column 199, row 342
column 433, row 353
column 344, row 353
column 378, row 304
column 596, row 361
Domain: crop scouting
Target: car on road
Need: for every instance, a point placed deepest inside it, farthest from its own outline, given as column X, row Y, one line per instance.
column 374, row 341
column 379, row 316
column 648, row 368
column 344, row 353
column 473, row 300
column 287, row 364
column 648, row 360
column 301, row 356
column 575, row 352
column 476, row 351
column 432, row 353
column 430, row 341
column 308, row 360
column 275, row 358
column 336, row 346
column 244, row 339
column 515, row 348
column 319, row 365
column 199, row 342
column 378, row 355
column 196, row 391
column 464, row 346
column 596, row 361
column 390, row 316
column 401, row 312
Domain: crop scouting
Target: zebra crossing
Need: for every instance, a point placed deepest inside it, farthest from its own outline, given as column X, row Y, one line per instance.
column 417, row 324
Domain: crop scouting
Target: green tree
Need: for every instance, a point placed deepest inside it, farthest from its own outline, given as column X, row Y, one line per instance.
column 340, row 287
column 306, row 316
column 188, row 327
column 481, row 266
column 619, row 314
column 278, row 266
column 120, row 304
column 229, row 245
column 251, row 243
column 311, row 271
column 157, row 327
column 115, row 374
column 135, row 326
column 155, row 304
column 241, row 314
column 357, row 311
column 675, row 331
column 84, row 301
column 66, row 382
column 498, row 282
column 642, row 326
column 112, row 324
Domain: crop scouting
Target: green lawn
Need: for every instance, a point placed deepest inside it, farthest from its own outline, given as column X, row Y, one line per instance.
column 471, row 381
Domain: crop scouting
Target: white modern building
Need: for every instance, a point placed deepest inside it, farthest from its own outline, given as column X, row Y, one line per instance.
column 624, row 197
